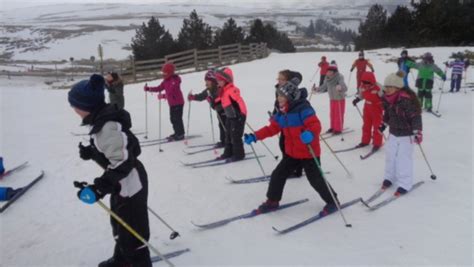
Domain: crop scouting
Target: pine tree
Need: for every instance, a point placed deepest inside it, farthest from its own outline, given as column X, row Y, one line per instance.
column 229, row 34
column 195, row 33
column 257, row 32
column 372, row 29
column 152, row 41
column 310, row 33
column 268, row 34
column 399, row 29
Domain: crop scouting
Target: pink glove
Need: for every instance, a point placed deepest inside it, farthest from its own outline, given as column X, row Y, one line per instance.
column 146, row 88
column 161, row 96
column 191, row 97
column 418, row 137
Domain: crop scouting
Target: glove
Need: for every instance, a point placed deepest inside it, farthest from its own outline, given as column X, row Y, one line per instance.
column 352, row 70
column 191, row 97
column 307, row 137
column 382, row 127
column 444, row 78
column 146, row 88
column 250, row 138
column 338, row 87
column 161, row 96
column 85, row 152
column 87, row 193
column 355, row 101
column 418, row 137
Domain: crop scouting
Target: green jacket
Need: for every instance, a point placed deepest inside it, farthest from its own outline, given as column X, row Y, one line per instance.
column 426, row 73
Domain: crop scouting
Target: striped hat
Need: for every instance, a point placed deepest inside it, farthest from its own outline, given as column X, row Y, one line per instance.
column 225, row 74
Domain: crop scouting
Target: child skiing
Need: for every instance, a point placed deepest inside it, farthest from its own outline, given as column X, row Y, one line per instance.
column 456, row 74
column 114, row 147
column 424, row 81
column 211, row 95
column 403, row 117
column 114, row 85
column 301, row 127
column 373, row 110
column 236, row 114
column 172, row 86
column 323, row 66
column 402, row 60
column 361, row 64
column 334, row 84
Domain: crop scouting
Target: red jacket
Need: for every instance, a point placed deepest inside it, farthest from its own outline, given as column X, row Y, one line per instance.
column 300, row 117
column 232, row 102
column 324, row 65
column 370, row 92
column 172, row 87
column 361, row 65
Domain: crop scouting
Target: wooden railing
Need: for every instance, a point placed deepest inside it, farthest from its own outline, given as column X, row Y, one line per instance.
column 192, row 60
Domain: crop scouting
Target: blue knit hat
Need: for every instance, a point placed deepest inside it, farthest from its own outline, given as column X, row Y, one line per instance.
column 87, row 95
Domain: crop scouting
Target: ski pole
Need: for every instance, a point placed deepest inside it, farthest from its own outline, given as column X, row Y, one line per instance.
column 328, row 186
column 433, row 176
column 440, row 94
column 314, row 75
column 146, row 113
column 349, row 82
column 174, row 233
column 133, row 232
column 340, row 162
column 159, row 122
column 212, row 125
column 263, row 143
column 258, row 160
column 187, row 126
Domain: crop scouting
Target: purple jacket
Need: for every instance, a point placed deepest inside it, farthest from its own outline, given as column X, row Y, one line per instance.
column 172, row 87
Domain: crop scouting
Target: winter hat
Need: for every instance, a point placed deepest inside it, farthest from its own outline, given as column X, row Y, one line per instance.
column 368, row 77
column 395, row 80
column 297, row 75
column 225, row 74
column 323, row 58
column 404, row 53
column 332, row 67
column 290, row 89
column 87, row 95
column 361, row 53
column 168, row 68
column 428, row 57
column 210, row 76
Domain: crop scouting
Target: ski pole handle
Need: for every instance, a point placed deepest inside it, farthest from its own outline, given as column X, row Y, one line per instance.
column 263, row 143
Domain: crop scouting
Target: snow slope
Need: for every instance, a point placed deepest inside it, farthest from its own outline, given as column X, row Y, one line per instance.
column 49, row 226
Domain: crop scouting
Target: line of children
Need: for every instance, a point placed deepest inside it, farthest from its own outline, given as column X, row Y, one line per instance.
column 211, row 94
column 171, row 84
column 301, row 127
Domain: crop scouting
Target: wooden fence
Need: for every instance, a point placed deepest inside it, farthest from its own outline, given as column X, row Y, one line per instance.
column 192, row 60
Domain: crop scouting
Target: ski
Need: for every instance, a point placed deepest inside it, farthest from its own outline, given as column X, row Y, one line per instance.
column 170, row 255
column 326, row 134
column 205, row 161
column 153, row 140
column 86, row 134
column 251, row 214
column 436, row 114
column 200, row 146
column 377, row 194
column 314, row 218
column 199, row 151
column 391, row 198
column 165, row 141
column 334, row 135
column 372, row 151
column 14, row 169
column 219, row 163
column 21, row 192
column 348, row 149
column 258, row 179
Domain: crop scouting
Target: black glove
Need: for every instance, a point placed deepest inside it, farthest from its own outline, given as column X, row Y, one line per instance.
column 382, row 127
column 85, row 152
column 105, row 186
column 355, row 101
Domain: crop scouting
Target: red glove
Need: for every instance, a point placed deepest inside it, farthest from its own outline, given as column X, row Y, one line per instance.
column 191, row 97
column 161, row 96
column 418, row 137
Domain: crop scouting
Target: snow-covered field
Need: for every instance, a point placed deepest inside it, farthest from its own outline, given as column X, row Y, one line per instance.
column 49, row 226
column 54, row 30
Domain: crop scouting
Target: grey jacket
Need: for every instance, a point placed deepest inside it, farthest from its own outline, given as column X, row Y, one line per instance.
column 330, row 84
column 116, row 93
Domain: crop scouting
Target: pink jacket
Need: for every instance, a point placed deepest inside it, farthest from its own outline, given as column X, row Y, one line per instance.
column 172, row 87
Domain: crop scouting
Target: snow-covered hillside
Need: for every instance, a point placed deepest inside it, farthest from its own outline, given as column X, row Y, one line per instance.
column 49, row 226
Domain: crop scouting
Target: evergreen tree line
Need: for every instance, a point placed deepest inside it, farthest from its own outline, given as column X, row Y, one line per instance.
column 321, row 26
column 152, row 40
column 426, row 23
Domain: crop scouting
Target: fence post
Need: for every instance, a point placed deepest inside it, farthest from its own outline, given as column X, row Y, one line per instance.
column 196, row 59
column 134, row 71
column 240, row 52
column 220, row 56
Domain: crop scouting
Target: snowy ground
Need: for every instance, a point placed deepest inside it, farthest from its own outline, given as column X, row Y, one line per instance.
column 49, row 226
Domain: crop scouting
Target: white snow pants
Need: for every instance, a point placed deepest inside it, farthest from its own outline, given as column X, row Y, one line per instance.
column 399, row 161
